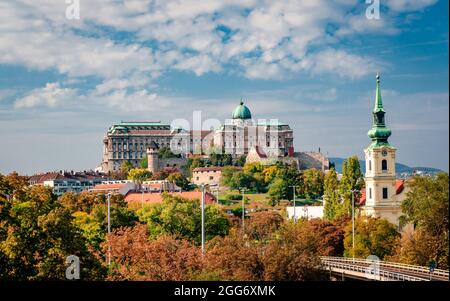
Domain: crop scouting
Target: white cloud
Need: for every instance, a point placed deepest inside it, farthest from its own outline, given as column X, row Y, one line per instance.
column 258, row 40
column 51, row 95
column 409, row 5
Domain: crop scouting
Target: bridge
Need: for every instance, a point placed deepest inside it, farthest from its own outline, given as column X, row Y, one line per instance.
column 365, row 269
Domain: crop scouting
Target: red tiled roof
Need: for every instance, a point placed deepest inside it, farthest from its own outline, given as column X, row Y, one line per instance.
column 152, row 197
column 399, row 186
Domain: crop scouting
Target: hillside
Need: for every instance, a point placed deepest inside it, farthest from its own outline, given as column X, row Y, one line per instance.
column 400, row 168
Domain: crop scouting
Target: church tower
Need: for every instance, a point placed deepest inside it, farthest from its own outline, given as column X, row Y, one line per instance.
column 380, row 178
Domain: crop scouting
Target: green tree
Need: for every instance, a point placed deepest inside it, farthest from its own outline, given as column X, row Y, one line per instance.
column 182, row 218
column 139, row 175
column 165, row 153
column 427, row 207
column 227, row 175
column 373, row 236
column 278, row 190
column 144, row 162
column 240, row 161
column 331, row 195
column 352, row 179
column 313, row 181
column 125, row 167
column 179, row 180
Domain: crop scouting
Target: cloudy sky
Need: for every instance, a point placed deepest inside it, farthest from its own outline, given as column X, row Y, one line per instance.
column 311, row 64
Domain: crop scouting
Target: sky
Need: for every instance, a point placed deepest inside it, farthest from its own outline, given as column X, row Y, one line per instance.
column 312, row 64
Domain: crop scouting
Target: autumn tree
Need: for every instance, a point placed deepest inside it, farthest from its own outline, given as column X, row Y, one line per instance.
column 261, row 226
column 135, row 257
column 427, row 208
column 373, row 236
column 139, row 175
column 292, row 256
column 36, row 236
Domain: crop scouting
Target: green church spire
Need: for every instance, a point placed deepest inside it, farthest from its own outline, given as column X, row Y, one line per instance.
column 379, row 133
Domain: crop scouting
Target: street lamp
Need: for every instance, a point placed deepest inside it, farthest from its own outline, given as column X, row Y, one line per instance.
column 353, row 221
column 109, row 227
column 295, row 213
column 243, row 189
column 203, row 217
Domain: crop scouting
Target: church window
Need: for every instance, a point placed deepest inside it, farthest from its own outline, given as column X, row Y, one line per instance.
column 384, row 165
column 370, row 193
column 370, row 164
column 385, row 193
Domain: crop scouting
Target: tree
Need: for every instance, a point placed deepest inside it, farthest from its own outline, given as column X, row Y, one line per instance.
column 135, row 257
column 179, row 180
column 263, row 225
column 373, row 236
column 419, row 248
column 278, row 190
column 125, row 167
column 139, row 175
column 144, row 162
column 165, row 153
column 352, row 179
column 13, row 185
column 86, row 200
column 181, row 218
column 331, row 195
column 241, row 179
column 240, row 161
column 292, row 256
column 37, row 236
column 330, row 236
column 227, row 175
column 427, row 207
column 313, row 181
column 232, row 258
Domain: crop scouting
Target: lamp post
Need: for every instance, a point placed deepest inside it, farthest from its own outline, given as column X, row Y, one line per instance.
column 203, row 217
column 295, row 213
column 353, row 221
column 109, row 227
column 243, row 209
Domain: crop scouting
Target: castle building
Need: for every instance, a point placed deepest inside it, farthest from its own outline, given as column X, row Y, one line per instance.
column 241, row 133
column 129, row 141
column 383, row 194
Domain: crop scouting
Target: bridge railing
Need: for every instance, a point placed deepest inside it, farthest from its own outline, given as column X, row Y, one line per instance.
column 399, row 266
column 386, row 275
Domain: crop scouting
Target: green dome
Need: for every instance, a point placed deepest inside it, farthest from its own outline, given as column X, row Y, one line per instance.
column 242, row 112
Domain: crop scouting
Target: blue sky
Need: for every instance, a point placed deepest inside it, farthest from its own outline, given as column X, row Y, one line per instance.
column 311, row 64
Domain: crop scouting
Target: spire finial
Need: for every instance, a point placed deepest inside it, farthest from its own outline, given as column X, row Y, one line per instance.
column 241, row 102
column 378, row 77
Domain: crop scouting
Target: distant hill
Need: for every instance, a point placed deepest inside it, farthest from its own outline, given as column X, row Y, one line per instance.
column 400, row 168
